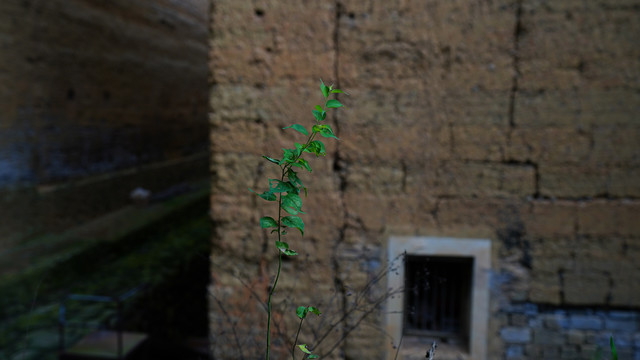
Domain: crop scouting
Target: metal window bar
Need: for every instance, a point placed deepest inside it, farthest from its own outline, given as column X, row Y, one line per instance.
column 435, row 291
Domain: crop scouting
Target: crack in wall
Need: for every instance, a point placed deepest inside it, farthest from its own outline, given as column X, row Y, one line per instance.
column 517, row 33
column 339, row 169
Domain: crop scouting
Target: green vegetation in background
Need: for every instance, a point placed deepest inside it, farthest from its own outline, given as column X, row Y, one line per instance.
column 150, row 245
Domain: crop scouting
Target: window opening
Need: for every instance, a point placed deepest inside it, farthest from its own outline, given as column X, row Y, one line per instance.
column 438, row 297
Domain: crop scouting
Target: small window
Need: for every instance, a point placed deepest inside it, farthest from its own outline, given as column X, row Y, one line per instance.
column 442, row 293
column 437, row 298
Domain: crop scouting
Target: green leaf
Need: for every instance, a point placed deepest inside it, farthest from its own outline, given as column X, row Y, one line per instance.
column 293, row 177
column 313, row 356
column 284, row 247
column 324, row 89
column 289, row 252
column 281, row 186
column 316, row 147
column 319, row 115
column 318, row 107
column 305, row 164
column 299, row 128
column 292, row 203
column 614, row 352
column 325, row 130
column 315, row 310
column 304, row 349
column 338, row 91
column 302, row 311
column 293, row 222
column 267, row 195
column 288, row 156
column 275, row 161
column 268, row 222
column 333, row 103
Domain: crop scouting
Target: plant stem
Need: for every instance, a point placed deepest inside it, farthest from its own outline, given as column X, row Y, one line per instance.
column 275, row 281
column 293, row 348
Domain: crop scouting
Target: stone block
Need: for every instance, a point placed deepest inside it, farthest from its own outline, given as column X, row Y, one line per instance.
column 616, row 106
column 514, row 352
column 627, row 326
column 475, row 142
column 553, row 145
column 555, row 321
column 518, row 320
column 623, row 315
column 535, row 109
column 586, row 322
column 624, row 289
column 377, row 212
column 547, row 337
column 551, row 218
column 616, row 146
column 589, row 350
column 575, row 337
column 480, row 179
column 609, row 218
column 379, row 181
column 585, row 287
column 569, row 352
column 473, row 213
column 265, row 45
column 550, row 352
column 533, row 351
column 391, row 141
column 572, row 181
column 478, row 108
column 623, row 182
column 515, row 335
column 545, row 287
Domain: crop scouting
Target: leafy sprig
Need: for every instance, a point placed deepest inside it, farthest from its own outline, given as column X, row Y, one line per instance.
column 286, row 192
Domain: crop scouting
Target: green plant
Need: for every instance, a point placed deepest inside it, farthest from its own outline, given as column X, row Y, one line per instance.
column 286, row 192
column 614, row 353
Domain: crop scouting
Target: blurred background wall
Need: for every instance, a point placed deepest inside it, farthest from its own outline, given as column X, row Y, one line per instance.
column 97, row 98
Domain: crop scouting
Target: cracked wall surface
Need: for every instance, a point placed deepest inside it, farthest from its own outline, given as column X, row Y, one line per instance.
column 509, row 120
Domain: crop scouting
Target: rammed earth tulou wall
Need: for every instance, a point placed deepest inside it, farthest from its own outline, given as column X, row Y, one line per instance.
column 513, row 121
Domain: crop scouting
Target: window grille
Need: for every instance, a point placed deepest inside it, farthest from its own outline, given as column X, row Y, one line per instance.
column 438, row 296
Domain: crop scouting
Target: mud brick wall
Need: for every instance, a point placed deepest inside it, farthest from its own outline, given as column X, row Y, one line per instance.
column 97, row 98
column 515, row 121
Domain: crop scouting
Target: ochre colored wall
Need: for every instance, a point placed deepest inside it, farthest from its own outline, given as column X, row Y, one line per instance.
column 515, row 121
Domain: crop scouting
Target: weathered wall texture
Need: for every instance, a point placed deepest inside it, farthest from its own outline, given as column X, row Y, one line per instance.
column 97, row 98
column 515, row 121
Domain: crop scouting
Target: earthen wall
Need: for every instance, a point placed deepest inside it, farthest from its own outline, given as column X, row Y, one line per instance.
column 515, row 121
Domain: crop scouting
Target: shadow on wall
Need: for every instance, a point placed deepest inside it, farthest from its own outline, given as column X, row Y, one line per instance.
column 96, row 99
